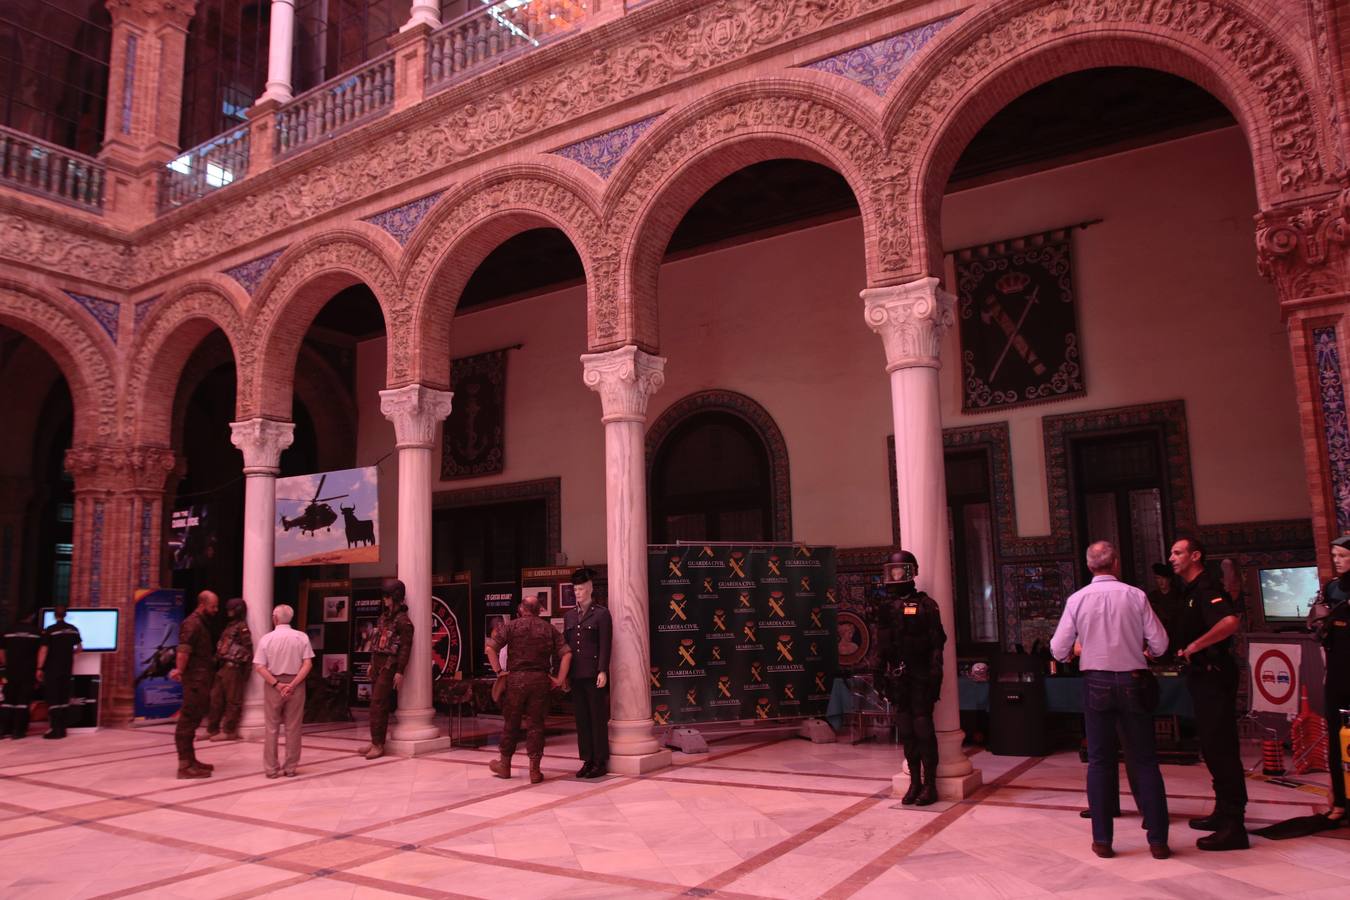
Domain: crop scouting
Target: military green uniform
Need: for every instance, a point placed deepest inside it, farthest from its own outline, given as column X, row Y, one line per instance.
column 195, row 637
column 531, row 646
column 390, row 648
column 234, row 655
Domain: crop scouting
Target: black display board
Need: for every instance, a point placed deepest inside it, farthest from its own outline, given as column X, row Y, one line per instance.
column 741, row 632
column 492, row 601
column 450, row 627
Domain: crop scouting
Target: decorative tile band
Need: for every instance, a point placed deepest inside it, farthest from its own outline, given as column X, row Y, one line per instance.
column 602, row 152
column 876, row 66
column 251, row 273
column 142, row 309
column 105, row 312
column 147, row 519
column 1331, row 391
column 129, row 83
column 96, row 557
column 401, row 221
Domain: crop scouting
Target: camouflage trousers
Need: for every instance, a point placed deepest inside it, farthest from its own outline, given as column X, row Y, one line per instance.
column 227, row 699
column 526, row 701
column 381, row 697
column 196, row 706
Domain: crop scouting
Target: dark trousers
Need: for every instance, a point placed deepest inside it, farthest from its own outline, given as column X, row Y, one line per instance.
column 227, row 699
column 56, row 691
column 14, row 711
column 1113, row 774
column 196, row 706
column 592, row 710
column 1214, row 693
column 1336, row 698
column 526, row 701
column 1112, row 702
column 381, row 697
column 913, row 696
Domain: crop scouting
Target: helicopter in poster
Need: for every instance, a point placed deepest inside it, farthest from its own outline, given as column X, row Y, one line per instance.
column 317, row 513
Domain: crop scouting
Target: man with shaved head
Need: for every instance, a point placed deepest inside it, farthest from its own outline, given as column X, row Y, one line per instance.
column 195, row 667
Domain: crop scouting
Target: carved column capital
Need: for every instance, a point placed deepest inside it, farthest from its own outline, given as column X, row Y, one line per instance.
column 1302, row 248
column 911, row 319
column 113, row 468
column 625, row 379
column 149, row 13
column 416, row 412
column 261, row 441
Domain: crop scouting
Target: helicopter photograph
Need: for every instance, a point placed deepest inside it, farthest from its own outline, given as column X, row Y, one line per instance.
column 328, row 517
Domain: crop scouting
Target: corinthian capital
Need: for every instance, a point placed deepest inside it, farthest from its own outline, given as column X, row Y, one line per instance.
column 624, row 379
column 416, row 412
column 261, row 441
column 149, row 13
column 1303, row 248
column 911, row 319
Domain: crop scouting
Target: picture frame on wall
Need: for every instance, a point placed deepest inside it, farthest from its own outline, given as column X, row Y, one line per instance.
column 544, row 594
column 334, row 664
column 567, row 595
column 336, row 609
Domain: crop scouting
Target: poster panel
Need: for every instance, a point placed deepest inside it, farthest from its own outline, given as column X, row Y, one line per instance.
column 450, row 604
column 328, row 517
column 1275, row 681
column 192, row 537
column 494, row 602
column 159, row 613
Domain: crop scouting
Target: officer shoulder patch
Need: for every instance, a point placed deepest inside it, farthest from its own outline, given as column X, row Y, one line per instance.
column 1217, row 600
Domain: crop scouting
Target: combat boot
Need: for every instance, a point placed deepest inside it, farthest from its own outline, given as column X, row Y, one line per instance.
column 915, row 784
column 928, row 795
column 536, row 776
column 501, row 767
column 191, row 770
column 375, row 751
column 209, row 767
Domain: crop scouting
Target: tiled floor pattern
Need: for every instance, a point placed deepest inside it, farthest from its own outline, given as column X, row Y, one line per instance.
column 103, row 816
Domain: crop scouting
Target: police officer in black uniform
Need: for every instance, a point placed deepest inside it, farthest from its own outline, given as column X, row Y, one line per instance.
column 390, row 650
column 911, row 639
column 19, row 653
column 56, row 658
column 589, row 630
column 1330, row 622
column 1208, row 619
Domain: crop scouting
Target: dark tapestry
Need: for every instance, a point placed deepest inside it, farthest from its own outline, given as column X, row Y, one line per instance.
column 474, row 431
column 1018, row 325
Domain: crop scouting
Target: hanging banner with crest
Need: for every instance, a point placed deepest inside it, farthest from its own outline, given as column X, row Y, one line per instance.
column 1018, row 325
column 474, row 434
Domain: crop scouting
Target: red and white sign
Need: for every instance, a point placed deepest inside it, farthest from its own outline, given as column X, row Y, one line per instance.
column 1274, row 670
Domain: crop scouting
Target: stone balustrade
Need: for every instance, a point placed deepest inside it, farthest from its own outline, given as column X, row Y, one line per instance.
column 491, row 35
column 203, row 169
column 37, row 167
column 336, row 105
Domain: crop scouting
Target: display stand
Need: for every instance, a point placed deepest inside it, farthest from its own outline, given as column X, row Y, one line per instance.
column 85, row 693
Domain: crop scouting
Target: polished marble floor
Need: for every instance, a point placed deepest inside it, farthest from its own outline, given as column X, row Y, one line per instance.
column 102, row 815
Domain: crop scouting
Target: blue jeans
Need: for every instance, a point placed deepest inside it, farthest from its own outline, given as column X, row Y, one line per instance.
column 1112, row 699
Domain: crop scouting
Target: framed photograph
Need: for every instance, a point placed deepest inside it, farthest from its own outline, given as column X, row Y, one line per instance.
column 336, row 609
column 567, row 595
column 544, row 594
column 362, row 636
column 315, row 633
column 363, row 692
column 334, row 664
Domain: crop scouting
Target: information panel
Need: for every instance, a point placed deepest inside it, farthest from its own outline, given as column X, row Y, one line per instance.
column 741, row 632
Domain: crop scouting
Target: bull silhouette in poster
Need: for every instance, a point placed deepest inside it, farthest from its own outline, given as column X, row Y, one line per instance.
column 310, row 531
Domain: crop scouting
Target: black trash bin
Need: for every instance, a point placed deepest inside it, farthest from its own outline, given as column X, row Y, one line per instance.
column 1017, row 707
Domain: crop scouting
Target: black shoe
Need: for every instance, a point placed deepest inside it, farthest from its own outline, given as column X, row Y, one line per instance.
column 928, row 795
column 584, row 771
column 598, row 770
column 1087, row 814
column 52, row 736
column 1103, row 850
column 915, row 788
column 1161, row 851
column 1232, row 836
column 1212, row 822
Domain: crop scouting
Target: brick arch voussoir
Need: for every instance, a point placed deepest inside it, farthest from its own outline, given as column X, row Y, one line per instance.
column 303, row 280
column 164, row 342
column 805, row 115
column 1235, row 49
column 84, row 354
column 471, row 221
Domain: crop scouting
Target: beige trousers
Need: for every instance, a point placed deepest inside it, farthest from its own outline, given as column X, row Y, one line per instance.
column 276, row 710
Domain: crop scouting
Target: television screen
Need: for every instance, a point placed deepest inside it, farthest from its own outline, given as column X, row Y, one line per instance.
column 1286, row 594
column 98, row 627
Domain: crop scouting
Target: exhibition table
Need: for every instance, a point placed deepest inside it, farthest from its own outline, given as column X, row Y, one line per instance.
column 1064, row 694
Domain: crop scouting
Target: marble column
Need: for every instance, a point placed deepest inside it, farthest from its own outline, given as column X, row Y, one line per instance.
column 261, row 441
column 424, row 12
column 281, row 39
column 625, row 379
column 417, row 413
column 911, row 319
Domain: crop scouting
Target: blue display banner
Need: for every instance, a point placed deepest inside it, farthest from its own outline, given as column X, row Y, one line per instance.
column 159, row 613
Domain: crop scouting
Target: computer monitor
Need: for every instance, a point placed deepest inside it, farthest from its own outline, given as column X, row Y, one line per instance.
column 98, row 627
column 1287, row 593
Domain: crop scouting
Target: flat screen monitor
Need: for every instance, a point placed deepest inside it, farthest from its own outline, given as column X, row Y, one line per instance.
column 98, row 627
column 1287, row 593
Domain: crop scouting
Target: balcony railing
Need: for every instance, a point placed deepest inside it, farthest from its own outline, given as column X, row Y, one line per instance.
column 203, row 169
column 491, row 35
column 41, row 168
column 335, row 105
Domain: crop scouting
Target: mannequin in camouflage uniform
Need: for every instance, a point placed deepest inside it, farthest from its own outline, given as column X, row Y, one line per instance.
column 196, row 668
column 390, row 648
column 532, row 643
column 234, row 655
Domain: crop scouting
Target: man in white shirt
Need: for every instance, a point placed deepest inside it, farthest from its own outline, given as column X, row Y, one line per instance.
column 1113, row 622
column 283, row 658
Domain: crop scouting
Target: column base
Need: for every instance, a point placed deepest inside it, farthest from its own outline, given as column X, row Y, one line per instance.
column 640, row 764
column 398, row 747
column 952, row 787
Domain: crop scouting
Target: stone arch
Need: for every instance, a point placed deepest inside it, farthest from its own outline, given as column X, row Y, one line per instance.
column 468, row 224
column 303, row 280
column 166, row 339
column 1232, row 48
column 803, row 115
column 83, row 352
column 24, row 409
column 761, row 423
